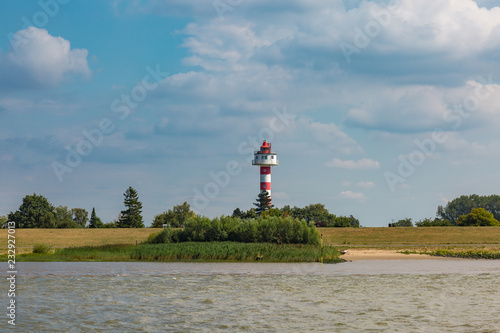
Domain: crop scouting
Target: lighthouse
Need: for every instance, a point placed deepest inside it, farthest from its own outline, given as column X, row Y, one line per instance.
column 265, row 158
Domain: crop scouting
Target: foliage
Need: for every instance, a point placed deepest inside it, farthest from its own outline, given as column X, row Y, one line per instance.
column 402, row 223
column 80, row 217
column 3, row 221
column 263, row 203
column 233, row 251
column 35, row 212
column 471, row 254
column 464, row 204
column 433, row 223
column 41, row 248
column 112, row 224
column 64, row 218
column 320, row 216
column 225, row 228
column 175, row 217
column 249, row 214
column 95, row 222
column 478, row 217
column 131, row 217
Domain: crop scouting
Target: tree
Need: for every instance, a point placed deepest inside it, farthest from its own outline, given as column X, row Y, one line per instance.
column 402, row 223
column 80, row 217
column 238, row 213
column 478, row 217
column 175, row 217
column 94, row 221
column 64, row 218
column 263, row 202
column 35, row 212
column 464, row 204
column 3, row 221
column 433, row 223
column 131, row 217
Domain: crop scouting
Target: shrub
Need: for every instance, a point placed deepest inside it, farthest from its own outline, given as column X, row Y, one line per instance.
column 271, row 229
column 41, row 248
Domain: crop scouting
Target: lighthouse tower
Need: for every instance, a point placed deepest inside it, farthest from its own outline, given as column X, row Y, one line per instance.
column 265, row 158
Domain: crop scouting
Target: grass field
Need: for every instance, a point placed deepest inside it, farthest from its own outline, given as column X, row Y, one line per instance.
column 423, row 239
column 61, row 238
column 394, row 237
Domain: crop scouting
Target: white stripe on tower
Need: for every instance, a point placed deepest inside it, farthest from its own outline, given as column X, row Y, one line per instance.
column 265, row 179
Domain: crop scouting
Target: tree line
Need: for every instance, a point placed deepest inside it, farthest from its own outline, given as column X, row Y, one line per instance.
column 37, row 212
column 466, row 210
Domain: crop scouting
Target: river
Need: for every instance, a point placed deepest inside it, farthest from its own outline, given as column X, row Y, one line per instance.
column 361, row 296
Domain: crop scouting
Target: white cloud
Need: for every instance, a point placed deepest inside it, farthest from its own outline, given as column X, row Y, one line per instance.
column 352, row 195
column 362, row 164
column 38, row 59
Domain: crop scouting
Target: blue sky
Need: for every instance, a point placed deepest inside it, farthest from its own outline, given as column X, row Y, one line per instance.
column 379, row 109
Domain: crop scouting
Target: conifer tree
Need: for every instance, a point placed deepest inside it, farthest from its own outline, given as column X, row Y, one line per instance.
column 263, row 202
column 94, row 221
column 131, row 217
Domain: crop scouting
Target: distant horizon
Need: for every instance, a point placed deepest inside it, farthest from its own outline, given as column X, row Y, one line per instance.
column 380, row 109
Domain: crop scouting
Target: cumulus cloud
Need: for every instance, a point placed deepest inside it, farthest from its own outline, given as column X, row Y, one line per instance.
column 352, row 195
column 40, row 60
column 362, row 164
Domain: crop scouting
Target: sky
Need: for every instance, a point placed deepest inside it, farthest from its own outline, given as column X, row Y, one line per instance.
column 382, row 110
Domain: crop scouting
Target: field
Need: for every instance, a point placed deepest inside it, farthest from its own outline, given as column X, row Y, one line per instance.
column 61, row 238
column 343, row 237
column 412, row 237
column 451, row 240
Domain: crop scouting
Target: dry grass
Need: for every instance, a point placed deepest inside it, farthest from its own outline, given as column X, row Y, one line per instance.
column 61, row 238
column 404, row 238
column 444, row 236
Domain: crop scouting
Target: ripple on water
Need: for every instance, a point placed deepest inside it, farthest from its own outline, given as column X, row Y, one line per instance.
column 185, row 302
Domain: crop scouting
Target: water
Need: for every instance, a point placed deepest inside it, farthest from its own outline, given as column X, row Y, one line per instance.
column 362, row 296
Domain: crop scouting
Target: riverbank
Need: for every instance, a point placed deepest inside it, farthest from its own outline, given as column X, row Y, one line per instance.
column 188, row 251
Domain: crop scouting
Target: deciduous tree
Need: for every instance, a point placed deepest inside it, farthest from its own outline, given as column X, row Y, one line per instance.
column 35, row 212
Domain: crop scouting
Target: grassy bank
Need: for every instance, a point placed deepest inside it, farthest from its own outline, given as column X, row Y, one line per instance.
column 189, row 251
column 62, row 238
column 411, row 236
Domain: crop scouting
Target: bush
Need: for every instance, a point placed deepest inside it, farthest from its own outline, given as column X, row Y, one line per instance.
column 271, row 229
column 41, row 248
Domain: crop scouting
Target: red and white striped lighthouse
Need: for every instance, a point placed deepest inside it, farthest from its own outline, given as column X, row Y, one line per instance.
column 265, row 158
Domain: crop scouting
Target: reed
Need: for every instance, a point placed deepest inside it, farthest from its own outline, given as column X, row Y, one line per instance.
column 190, row 251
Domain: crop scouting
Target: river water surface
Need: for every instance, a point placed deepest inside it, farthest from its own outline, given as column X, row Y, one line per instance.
column 361, row 296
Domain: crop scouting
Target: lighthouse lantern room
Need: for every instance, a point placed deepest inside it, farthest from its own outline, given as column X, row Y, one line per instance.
column 265, row 158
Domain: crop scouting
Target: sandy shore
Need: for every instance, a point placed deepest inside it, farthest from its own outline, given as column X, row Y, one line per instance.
column 360, row 254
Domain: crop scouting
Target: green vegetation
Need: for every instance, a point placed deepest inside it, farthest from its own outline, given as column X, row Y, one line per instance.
column 470, row 254
column 263, row 203
column 261, row 230
column 402, row 223
column 95, row 222
column 189, row 251
column 464, row 205
column 478, row 217
column 175, row 217
column 233, row 251
column 41, row 248
column 131, row 217
column 433, row 223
